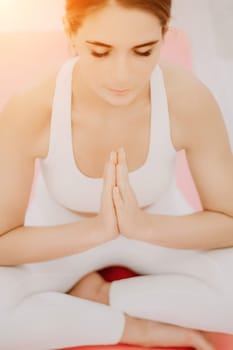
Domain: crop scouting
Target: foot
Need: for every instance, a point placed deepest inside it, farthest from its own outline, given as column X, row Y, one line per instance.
column 149, row 333
column 92, row 287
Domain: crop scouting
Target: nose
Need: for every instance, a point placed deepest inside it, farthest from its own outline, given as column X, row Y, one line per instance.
column 121, row 72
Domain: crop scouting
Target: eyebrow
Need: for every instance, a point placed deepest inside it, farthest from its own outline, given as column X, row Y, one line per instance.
column 98, row 43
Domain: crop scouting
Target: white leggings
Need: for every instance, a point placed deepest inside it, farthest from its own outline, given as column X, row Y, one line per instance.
column 182, row 287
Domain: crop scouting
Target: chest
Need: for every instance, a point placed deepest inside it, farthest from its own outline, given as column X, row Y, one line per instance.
column 92, row 143
column 74, row 174
column 80, row 147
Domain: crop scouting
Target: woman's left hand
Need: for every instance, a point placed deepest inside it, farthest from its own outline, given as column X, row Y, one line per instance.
column 132, row 220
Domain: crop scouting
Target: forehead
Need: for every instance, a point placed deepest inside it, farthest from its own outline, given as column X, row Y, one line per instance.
column 115, row 24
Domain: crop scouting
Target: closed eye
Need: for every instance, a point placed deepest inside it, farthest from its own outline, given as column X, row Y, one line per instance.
column 96, row 54
column 143, row 54
column 147, row 53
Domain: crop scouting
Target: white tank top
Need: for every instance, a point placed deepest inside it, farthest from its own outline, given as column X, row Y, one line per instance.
column 66, row 188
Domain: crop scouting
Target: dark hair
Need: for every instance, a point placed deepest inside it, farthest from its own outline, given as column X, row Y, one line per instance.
column 77, row 10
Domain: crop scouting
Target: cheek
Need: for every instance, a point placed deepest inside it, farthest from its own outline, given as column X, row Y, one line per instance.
column 145, row 71
column 96, row 77
column 92, row 72
column 100, row 74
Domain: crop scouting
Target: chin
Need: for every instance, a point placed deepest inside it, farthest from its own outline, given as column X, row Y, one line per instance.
column 119, row 101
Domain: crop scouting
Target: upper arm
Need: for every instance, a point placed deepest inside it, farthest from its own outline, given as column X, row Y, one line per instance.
column 207, row 147
column 21, row 121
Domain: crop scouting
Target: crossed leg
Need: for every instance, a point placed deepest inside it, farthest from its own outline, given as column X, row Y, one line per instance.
column 35, row 308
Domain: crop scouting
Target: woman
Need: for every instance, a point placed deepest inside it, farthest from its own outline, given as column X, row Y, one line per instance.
column 91, row 210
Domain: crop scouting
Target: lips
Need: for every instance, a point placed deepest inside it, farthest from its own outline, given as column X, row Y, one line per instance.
column 119, row 90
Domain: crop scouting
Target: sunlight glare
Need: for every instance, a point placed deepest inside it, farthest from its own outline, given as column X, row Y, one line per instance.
column 30, row 15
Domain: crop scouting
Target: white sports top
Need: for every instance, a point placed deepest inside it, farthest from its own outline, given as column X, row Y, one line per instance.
column 62, row 187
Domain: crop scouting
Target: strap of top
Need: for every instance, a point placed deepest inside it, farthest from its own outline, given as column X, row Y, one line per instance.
column 61, row 110
column 160, row 111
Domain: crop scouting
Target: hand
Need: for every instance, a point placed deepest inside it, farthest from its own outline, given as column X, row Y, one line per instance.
column 131, row 219
column 107, row 216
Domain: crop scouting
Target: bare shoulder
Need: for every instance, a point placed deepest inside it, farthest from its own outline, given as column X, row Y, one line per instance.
column 22, row 121
column 28, row 112
column 176, row 77
column 192, row 105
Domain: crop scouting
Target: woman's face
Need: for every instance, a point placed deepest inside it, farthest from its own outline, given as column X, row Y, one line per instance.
column 118, row 50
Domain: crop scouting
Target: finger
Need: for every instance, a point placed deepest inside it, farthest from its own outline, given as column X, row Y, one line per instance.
column 118, row 203
column 122, row 159
column 122, row 173
column 120, row 180
column 109, row 182
column 109, row 172
column 114, row 159
column 125, row 173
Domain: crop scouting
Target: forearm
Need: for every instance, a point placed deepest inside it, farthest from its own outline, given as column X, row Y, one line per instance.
column 201, row 230
column 35, row 244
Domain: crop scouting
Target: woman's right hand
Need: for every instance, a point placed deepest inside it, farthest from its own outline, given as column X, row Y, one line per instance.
column 107, row 218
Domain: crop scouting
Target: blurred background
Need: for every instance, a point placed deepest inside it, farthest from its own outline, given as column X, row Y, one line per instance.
column 32, row 43
column 209, row 24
